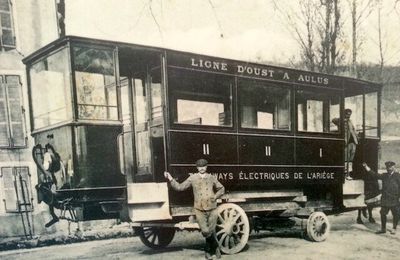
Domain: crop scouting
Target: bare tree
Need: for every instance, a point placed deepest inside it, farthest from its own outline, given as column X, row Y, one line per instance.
column 360, row 11
column 317, row 28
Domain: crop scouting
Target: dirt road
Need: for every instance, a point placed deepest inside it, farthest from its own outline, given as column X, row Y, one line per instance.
column 346, row 241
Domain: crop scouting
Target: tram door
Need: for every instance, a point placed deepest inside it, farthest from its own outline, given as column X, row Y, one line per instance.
column 142, row 116
column 365, row 118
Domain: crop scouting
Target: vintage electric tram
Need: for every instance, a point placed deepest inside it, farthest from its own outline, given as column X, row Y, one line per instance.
column 121, row 114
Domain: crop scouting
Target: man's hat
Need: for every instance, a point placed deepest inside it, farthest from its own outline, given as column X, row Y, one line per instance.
column 348, row 110
column 389, row 164
column 201, row 162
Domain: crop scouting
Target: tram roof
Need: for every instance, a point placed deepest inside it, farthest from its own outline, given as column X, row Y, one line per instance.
column 355, row 84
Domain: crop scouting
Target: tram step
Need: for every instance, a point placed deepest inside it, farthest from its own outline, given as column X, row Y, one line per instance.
column 148, row 201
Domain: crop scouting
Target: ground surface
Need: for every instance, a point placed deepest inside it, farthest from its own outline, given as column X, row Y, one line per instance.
column 346, row 241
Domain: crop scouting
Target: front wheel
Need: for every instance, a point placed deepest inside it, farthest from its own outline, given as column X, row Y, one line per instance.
column 156, row 237
column 232, row 230
column 318, row 227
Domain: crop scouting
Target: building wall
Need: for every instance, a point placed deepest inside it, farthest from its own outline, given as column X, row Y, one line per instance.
column 33, row 28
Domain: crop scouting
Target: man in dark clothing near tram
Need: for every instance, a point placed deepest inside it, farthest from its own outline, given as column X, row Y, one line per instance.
column 351, row 141
column 390, row 194
column 206, row 190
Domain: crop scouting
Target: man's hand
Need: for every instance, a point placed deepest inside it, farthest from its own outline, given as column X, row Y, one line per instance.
column 366, row 167
column 168, row 176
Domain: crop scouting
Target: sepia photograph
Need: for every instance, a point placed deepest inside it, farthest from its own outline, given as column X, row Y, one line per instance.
column 201, row 129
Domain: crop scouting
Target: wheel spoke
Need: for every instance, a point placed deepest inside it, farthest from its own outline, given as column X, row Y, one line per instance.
column 221, row 240
column 219, row 232
column 221, row 219
column 226, row 242
column 225, row 214
column 149, row 233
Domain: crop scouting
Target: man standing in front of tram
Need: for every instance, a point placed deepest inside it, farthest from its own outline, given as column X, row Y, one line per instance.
column 390, row 194
column 206, row 190
column 351, row 140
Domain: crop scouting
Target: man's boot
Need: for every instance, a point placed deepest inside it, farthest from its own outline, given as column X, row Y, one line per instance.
column 383, row 225
column 52, row 222
column 207, row 249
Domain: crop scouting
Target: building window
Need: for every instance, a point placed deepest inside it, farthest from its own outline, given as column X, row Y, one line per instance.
column 12, row 130
column 16, row 185
column 7, row 37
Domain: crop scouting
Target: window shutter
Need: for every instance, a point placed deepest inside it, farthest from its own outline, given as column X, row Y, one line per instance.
column 4, row 134
column 10, row 196
column 17, row 188
column 15, row 110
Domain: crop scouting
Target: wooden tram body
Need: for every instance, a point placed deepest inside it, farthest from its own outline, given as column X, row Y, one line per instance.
column 121, row 114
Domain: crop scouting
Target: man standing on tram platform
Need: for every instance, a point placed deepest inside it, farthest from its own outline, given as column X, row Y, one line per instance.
column 390, row 194
column 351, row 140
column 206, row 190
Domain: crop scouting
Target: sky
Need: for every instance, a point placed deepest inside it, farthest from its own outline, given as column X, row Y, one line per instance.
column 251, row 30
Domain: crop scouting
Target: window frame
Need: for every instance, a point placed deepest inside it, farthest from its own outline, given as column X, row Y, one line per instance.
column 11, row 28
column 265, row 84
column 328, row 92
column 11, row 143
column 173, row 99
column 76, row 104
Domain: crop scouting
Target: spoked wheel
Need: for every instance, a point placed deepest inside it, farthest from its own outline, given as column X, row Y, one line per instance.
column 232, row 231
column 156, row 237
column 318, row 227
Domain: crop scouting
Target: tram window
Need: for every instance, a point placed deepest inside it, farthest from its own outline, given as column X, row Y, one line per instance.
column 51, row 90
column 156, row 108
column 140, row 101
column 371, row 114
column 264, row 106
column 316, row 112
column 355, row 103
column 201, row 98
column 95, row 84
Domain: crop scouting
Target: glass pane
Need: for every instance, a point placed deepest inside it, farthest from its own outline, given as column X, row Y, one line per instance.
column 4, row 5
column 8, row 37
column 371, row 114
column 12, row 79
column 125, row 102
column 269, row 109
column 318, row 112
column 95, row 83
column 156, row 108
column 201, row 98
column 51, row 90
column 140, row 101
column 5, row 20
column 355, row 103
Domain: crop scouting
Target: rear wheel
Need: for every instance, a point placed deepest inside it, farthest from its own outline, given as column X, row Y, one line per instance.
column 318, row 227
column 156, row 237
column 232, row 230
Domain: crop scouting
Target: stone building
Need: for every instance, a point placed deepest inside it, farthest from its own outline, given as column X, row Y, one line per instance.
column 25, row 26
